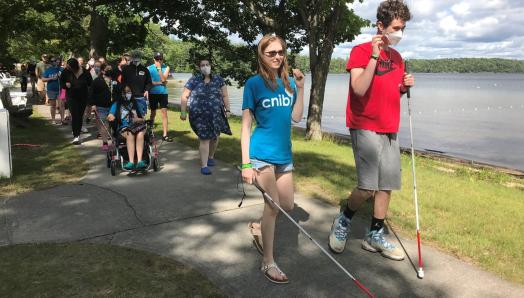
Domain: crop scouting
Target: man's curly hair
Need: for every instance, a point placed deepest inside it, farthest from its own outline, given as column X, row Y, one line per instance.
column 392, row 9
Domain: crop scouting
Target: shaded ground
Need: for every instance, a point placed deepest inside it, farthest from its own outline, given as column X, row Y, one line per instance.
column 195, row 219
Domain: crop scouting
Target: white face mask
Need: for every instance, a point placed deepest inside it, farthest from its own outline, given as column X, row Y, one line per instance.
column 206, row 70
column 128, row 96
column 394, row 37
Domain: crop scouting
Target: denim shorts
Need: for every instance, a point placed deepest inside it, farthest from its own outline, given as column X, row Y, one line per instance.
column 279, row 168
column 52, row 95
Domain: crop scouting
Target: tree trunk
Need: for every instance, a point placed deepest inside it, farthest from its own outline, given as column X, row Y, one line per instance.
column 98, row 34
column 319, row 72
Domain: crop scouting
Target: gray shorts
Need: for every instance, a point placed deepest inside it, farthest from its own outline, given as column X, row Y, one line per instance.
column 377, row 159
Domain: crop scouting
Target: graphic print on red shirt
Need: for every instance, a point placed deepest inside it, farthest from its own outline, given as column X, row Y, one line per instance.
column 379, row 109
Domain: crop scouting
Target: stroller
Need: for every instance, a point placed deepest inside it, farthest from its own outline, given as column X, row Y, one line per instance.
column 117, row 154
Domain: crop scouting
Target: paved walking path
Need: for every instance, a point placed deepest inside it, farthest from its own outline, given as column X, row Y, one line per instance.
column 179, row 213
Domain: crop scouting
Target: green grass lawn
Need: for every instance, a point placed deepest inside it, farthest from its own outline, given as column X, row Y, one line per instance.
column 54, row 162
column 475, row 214
column 89, row 270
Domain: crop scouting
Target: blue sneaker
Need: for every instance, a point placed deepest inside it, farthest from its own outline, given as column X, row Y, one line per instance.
column 210, row 162
column 375, row 242
column 129, row 166
column 339, row 233
column 141, row 165
column 205, row 171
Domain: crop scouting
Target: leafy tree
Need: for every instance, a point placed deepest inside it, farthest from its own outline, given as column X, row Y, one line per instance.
column 320, row 24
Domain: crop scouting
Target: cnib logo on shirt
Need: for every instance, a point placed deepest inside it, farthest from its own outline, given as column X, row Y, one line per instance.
column 280, row 101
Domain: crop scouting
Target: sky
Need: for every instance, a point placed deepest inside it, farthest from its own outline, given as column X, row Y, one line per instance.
column 452, row 29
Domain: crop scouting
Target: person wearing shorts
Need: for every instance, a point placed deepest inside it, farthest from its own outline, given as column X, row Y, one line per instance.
column 158, row 93
column 273, row 99
column 373, row 116
column 51, row 77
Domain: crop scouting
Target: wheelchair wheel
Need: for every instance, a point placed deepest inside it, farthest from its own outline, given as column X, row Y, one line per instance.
column 113, row 168
column 156, row 167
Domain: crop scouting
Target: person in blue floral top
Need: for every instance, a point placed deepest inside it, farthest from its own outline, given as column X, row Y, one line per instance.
column 208, row 111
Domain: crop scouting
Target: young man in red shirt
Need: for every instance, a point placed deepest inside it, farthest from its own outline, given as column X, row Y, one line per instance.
column 373, row 115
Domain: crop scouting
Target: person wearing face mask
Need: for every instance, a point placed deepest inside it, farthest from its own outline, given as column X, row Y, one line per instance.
column 137, row 77
column 373, row 115
column 51, row 77
column 94, row 68
column 208, row 111
column 76, row 80
column 130, row 123
column 100, row 100
column 158, row 93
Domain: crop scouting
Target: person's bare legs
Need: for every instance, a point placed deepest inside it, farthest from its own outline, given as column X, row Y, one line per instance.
column 152, row 115
column 164, row 121
column 204, row 152
column 358, row 197
column 280, row 188
column 52, row 105
column 140, row 145
column 130, row 142
column 213, row 144
column 381, row 204
column 61, row 105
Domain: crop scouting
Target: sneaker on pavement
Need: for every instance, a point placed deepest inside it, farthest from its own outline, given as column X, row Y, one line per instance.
column 376, row 242
column 84, row 130
column 76, row 141
column 339, row 233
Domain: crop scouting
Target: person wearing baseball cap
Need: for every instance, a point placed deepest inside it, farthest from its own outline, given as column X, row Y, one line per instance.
column 137, row 77
column 158, row 93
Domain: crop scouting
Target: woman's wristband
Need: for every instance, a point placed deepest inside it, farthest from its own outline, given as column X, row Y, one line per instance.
column 183, row 113
column 247, row 166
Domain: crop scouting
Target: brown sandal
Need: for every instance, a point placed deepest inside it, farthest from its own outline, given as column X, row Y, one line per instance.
column 266, row 268
column 257, row 238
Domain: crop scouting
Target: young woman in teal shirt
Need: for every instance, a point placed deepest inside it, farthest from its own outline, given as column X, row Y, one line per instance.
column 273, row 99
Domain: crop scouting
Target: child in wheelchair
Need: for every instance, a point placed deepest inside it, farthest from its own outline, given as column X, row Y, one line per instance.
column 128, row 116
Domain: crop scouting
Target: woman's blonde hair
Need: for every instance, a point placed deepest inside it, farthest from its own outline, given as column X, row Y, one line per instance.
column 265, row 71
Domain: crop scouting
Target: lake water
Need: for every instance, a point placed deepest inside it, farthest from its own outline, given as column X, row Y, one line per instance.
column 477, row 117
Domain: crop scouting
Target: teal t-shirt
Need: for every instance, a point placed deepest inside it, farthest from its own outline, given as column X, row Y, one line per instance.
column 155, row 78
column 53, row 85
column 271, row 139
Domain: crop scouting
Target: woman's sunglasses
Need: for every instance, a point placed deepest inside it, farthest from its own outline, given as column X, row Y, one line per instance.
column 272, row 54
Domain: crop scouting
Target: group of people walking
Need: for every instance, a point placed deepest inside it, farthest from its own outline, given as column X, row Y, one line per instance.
column 272, row 99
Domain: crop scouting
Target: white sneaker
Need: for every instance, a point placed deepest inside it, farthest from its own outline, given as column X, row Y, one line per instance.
column 76, row 141
column 376, row 242
column 339, row 233
column 84, row 130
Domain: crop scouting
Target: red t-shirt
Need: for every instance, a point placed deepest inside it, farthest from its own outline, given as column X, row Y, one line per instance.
column 379, row 109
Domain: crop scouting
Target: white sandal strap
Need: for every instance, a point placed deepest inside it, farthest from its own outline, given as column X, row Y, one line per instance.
column 265, row 268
